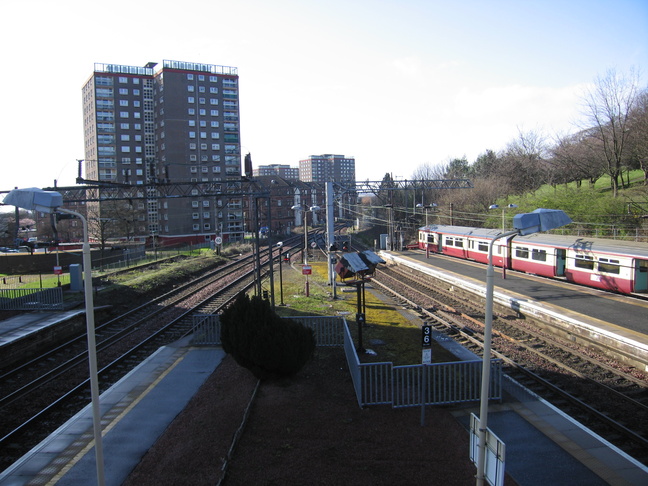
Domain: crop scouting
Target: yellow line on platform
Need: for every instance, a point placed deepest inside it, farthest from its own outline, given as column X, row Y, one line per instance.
column 57, row 477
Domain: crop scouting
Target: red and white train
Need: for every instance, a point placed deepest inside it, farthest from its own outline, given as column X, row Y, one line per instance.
column 614, row 265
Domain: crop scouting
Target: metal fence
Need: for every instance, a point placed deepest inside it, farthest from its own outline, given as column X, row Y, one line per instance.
column 328, row 330
column 383, row 383
column 410, row 385
column 206, row 330
column 31, row 299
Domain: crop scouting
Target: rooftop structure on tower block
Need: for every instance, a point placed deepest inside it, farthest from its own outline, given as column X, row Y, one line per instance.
column 177, row 124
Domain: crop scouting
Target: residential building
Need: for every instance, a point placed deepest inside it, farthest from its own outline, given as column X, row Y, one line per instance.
column 328, row 168
column 178, row 124
column 338, row 169
column 281, row 170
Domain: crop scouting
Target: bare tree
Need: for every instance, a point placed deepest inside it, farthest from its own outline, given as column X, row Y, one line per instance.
column 467, row 207
column 607, row 106
column 576, row 157
column 428, row 172
column 118, row 219
column 523, row 163
column 639, row 134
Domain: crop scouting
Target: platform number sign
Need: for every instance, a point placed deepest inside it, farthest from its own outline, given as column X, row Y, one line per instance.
column 427, row 336
column 427, row 344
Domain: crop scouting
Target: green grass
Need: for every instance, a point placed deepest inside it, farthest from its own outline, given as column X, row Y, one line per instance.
column 165, row 274
column 390, row 332
column 592, row 205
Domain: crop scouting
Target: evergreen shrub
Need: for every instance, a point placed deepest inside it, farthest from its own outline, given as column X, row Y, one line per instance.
column 258, row 339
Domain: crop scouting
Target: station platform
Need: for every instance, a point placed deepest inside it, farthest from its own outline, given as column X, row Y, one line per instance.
column 135, row 412
column 18, row 327
column 612, row 319
column 543, row 446
column 29, row 333
column 546, row 447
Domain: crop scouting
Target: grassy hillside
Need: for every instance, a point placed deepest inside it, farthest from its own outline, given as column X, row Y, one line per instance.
column 592, row 208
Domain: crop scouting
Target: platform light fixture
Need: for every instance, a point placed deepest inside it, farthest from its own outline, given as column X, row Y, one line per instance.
column 426, row 207
column 523, row 224
column 504, row 208
column 34, row 199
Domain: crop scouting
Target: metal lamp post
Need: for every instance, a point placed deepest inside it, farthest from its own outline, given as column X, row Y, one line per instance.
column 280, row 245
column 496, row 206
column 524, row 224
column 429, row 206
column 504, row 208
column 49, row 202
column 312, row 209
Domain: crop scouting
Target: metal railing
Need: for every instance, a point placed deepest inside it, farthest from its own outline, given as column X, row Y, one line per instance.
column 328, row 330
column 410, row 385
column 31, row 299
column 206, row 330
column 383, row 383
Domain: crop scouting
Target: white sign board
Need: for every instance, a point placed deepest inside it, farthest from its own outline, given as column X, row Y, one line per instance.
column 495, row 453
column 427, row 356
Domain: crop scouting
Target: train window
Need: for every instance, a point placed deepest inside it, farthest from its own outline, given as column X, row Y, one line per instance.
column 584, row 261
column 609, row 265
column 482, row 246
column 643, row 266
column 430, row 239
column 459, row 242
column 539, row 255
column 522, row 252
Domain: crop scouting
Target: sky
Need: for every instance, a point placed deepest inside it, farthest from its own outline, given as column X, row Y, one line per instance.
column 395, row 84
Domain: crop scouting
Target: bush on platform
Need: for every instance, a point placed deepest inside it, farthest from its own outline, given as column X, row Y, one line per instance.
column 258, row 339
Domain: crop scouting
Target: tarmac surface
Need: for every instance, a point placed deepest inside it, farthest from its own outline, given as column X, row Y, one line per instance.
column 135, row 412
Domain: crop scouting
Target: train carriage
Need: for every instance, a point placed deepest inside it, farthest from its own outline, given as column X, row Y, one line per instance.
column 614, row 265
column 539, row 254
column 463, row 242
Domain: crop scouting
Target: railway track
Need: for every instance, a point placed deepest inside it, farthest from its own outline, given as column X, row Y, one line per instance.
column 43, row 392
column 609, row 398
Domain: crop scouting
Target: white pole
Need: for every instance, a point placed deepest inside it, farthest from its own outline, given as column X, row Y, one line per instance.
column 485, row 378
column 92, row 347
column 305, row 237
column 330, row 234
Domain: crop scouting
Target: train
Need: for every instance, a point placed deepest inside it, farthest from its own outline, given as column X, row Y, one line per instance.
column 612, row 265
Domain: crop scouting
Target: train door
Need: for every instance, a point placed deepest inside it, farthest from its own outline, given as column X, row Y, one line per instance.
column 507, row 258
column 561, row 259
column 430, row 242
column 641, row 276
